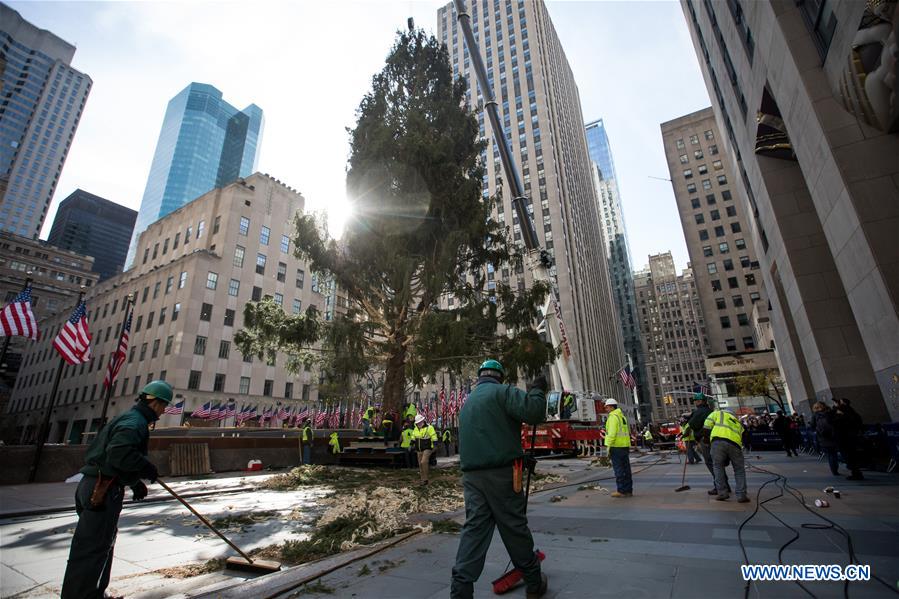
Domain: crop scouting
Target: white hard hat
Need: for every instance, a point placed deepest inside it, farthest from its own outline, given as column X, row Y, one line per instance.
column 611, row 402
column 419, row 418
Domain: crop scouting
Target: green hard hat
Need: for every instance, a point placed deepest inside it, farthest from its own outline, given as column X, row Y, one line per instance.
column 160, row 390
column 492, row 365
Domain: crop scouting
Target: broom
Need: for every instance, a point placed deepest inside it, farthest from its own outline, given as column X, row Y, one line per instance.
column 510, row 579
column 683, row 478
column 245, row 562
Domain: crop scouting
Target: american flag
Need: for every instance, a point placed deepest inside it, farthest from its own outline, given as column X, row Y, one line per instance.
column 118, row 358
column 298, row 419
column 334, row 421
column 445, row 409
column 175, row 409
column 245, row 414
column 627, row 379
column 442, row 396
column 203, row 411
column 283, row 413
column 228, row 410
column 74, row 339
column 17, row 319
column 216, row 412
column 320, row 418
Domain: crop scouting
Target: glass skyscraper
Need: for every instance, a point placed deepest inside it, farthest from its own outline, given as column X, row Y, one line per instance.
column 43, row 98
column 617, row 251
column 204, row 143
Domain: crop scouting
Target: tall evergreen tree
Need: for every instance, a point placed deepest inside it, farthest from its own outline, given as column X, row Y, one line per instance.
column 421, row 233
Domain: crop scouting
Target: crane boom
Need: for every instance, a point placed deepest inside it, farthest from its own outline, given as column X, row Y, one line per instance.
column 539, row 260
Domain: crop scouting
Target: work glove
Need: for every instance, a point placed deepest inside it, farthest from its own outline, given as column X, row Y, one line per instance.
column 150, row 473
column 139, row 490
column 540, row 383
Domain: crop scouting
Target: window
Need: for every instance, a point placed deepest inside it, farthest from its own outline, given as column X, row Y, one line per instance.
column 239, row 252
column 754, row 296
column 707, row 250
column 730, row 345
column 182, row 281
column 219, row 383
column 224, row 349
column 745, row 262
column 187, row 234
column 285, row 243
column 684, row 159
column 688, row 173
column 712, row 268
column 821, row 21
column 706, row 184
column 742, row 319
column 735, row 227
column 710, row 199
column 206, row 312
column 723, row 248
column 233, row 287
column 301, row 278
column 168, row 344
column 201, row 226
column 146, row 292
column 212, row 280
column 717, row 165
column 740, row 244
column 722, row 180
column 700, row 218
column 725, row 322
column 244, row 385
column 136, row 384
column 143, row 352
column 156, row 289
column 282, row 271
column 737, row 300
column 731, row 211
column 750, row 279
column 733, row 283
column 264, row 234
column 720, row 303
column 168, row 284
column 709, row 135
column 200, row 346
column 698, row 155
column 719, row 231
column 193, row 381
column 691, row 187
column 216, row 224
column 257, row 294
column 260, row 264
column 728, row 264
column 694, row 202
column 297, row 306
column 680, row 144
column 715, row 215
column 703, row 169
column 716, row 285
column 726, row 195
column 703, row 235
column 140, row 320
column 244, row 226
column 150, row 319
column 694, row 140
column 713, row 150
column 155, row 351
column 748, row 342
column 279, row 299
column 288, row 390
column 229, row 318
column 267, row 387
column 177, row 240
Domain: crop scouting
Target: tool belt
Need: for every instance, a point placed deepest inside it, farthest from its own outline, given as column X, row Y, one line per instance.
column 425, row 444
column 101, row 488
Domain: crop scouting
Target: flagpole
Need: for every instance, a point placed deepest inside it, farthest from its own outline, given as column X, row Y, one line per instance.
column 45, row 428
column 8, row 337
column 630, row 364
column 108, row 393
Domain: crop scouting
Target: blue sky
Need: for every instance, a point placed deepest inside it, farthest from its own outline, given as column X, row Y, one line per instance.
column 308, row 64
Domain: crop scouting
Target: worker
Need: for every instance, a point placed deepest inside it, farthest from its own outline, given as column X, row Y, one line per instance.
column 307, row 442
column 448, row 441
column 334, row 443
column 696, row 423
column 410, row 412
column 424, row 437
column 726, row 435
column 116, row 459
column 689, row 438
column 489, row 450
column 567, row 405
column 386, row 427
column 618, row 440
column 406, row 443
column 647, row 438
column 367, row 417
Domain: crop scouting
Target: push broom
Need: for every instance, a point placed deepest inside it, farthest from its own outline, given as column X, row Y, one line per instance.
column 510, row 579
column 683, row 479
column 244, row 562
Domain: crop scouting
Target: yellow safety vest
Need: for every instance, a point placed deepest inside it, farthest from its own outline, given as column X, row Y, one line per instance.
column 406, row 438
column 334, row 442
column 647, row 435
column 307, row 434
column 447, row 436
column 424, row 437
column 724, row 425
column 411, row 412
column 617, row 434
column 687, row 434
column 369, row 412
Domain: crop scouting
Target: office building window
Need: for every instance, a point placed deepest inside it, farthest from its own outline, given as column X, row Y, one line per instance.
column 260, row 264
column 155, row 351
column 720, row 303
column 745, row 262
column 279, row 299
column 706, row 184
column 264, row 234
column 712, row 268
column 288, row 390
column 703, row 235
column 282, row 272
column 691, row 187
column 742, row 319
column 680, row 144
column 206, row 312
column 244, row 226
column 748, row 342
column 285, row 243
column 301, row 278
column 224, row 349
column 684, row 159
column 229, row 318
column 730, row 345
column 750, row 279
column 244, row 385
column 700, row 218
column 754, row 296
column 233, row 287
column 688, row 173
column 723, row 248
column 176, row 310
column 821, row 22
column 694, row 202
column 728, row 264
column 239, row 252
column 733, row 283
column 169, row 341
column 707, row 251
column 740, row 244
column 219, row 383
column 297, row 306
column 267, row 387
column 735, row 227
column 725, row 322
column 737, row 300
column 719, row 231
column 182, row 280
column 722, row 180
column 256, row 295
column 193, row 381
column 694, row 140
column 212, row 280
column 200, row 346
column 716, row 285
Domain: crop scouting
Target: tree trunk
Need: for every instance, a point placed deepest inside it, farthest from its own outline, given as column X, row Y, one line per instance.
column 395, row 376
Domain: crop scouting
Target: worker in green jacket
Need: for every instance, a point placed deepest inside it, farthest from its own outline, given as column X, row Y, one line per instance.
column 618, row 440
column 447, row 439
column 489, row 446
column 334, row 443
column 424, row 437
column 367, row 418
column 410, row 412
column 647, row 438
column 406, row 443
column 307, row 442
column 116, row 459
column 696, row 423
column 726, row 434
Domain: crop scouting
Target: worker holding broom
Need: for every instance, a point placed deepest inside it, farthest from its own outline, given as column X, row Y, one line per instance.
column 491, row 459
column 116, row 459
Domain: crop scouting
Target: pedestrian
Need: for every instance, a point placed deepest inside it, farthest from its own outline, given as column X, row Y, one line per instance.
column 689, row 439
column 825, row 434
column 406, row 443
column 490, row 454
column 848, row 427
column 782, row 428
column 618, row 440
column 726, row 434
column 334, row 443
column 367, row 417
column 695, row 423
column 448, row 441
column 647, row 438
column 424, row 437
column 307, row 442
column 116, row 459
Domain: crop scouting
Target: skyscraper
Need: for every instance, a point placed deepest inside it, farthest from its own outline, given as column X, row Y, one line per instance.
column 541, row 112
column 93, row 226
column 204, row 143
column 805, row 97
column 614, row 234
column 43, row 98
column 673, row 336
column 716, row 229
